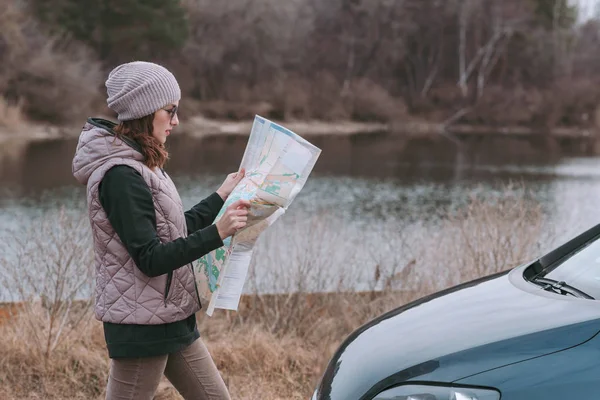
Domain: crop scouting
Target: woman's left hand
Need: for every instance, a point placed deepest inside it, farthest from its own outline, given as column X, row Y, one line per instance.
column 230, row 183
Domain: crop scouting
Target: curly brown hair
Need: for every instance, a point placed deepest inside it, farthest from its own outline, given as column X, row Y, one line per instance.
column 140, row 131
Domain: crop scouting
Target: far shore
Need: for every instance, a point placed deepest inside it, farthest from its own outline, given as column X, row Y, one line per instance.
column 199, row 127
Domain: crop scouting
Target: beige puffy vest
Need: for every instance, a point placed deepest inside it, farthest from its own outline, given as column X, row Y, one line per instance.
column 124, row 294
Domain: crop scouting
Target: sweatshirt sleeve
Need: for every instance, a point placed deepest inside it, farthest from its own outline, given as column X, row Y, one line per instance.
column 128, row 203
column 204, row 213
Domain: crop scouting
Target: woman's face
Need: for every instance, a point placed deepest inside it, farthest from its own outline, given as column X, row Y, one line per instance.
column 165, row 120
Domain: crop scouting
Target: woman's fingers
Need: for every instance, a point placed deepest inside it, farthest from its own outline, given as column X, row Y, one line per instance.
column 240, row 204
column 239, row 173
column 236, row 217
column 238, row 212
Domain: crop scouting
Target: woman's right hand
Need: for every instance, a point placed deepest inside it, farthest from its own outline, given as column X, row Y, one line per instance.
column 234, row 219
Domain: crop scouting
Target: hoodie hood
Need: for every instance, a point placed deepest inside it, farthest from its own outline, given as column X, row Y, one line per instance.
column 97, row 145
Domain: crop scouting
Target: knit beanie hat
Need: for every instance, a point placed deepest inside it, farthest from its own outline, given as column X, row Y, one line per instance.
column 140, row 88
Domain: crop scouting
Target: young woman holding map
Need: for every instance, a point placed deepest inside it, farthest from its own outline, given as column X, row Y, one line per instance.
column 144, row 242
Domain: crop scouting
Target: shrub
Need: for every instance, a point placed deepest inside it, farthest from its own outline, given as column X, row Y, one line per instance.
column 575, row 106
column 50, row 77
column 11, row 115
column 59, row 82
column 371, row 102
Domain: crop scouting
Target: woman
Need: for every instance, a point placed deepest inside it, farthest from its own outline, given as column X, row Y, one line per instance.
column 144, row 242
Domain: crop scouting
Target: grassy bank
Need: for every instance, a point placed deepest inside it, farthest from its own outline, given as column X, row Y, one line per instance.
column 257, row 362
column 276, row 345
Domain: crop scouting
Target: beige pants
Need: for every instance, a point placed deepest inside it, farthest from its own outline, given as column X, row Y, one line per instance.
column 192, row 371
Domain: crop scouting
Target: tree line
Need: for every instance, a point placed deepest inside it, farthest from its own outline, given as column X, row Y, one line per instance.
column 493, row 62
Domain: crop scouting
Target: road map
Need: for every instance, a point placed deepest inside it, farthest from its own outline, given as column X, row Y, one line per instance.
column 277, row 163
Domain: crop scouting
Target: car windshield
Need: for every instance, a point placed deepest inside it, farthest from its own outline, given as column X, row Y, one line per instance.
column 581, row 270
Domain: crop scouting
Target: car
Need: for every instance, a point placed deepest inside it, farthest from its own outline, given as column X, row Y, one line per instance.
column 527, row 333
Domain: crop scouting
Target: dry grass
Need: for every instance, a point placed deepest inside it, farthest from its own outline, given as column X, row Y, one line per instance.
column 484, row 237
column 77, row 369
column 277, row 345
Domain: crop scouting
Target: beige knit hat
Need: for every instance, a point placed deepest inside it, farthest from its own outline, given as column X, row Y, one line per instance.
column 140, row 88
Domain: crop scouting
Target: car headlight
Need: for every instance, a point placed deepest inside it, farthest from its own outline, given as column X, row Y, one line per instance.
column 430, row 392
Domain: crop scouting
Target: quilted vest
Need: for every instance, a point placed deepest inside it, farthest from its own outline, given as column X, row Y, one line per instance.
column 124, row 294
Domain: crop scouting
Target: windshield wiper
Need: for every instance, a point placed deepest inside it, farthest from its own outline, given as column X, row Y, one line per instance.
column 561, row 286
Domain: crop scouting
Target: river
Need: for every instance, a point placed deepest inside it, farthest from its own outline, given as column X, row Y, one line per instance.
column 348, row 199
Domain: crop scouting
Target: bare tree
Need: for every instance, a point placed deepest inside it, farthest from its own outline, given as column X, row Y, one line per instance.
column 488, row 53
column 463, row 21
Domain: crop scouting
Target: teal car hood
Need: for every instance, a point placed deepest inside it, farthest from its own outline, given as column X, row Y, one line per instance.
column 459, row 332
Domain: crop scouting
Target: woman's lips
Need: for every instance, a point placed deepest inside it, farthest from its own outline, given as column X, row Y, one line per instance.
column 168, row 132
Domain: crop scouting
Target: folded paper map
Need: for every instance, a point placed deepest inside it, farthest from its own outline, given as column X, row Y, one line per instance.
column 277, row 163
